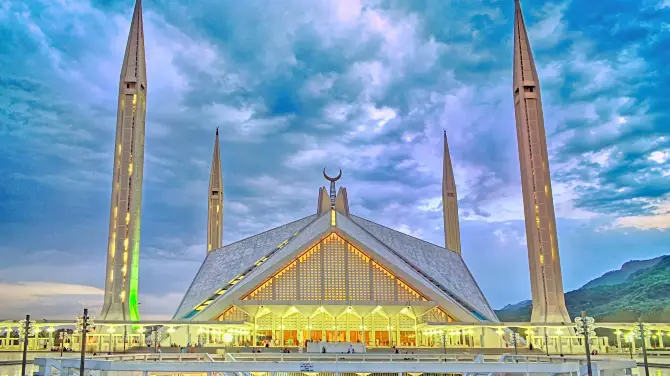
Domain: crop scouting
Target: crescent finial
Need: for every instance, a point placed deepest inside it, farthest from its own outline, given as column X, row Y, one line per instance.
column 332, row 179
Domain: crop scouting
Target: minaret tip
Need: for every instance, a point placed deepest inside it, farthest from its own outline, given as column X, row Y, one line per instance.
column 217, row 131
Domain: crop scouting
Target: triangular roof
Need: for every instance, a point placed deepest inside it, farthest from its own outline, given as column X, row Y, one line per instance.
column 223, row 264
column 444, row 267
column 442, row 273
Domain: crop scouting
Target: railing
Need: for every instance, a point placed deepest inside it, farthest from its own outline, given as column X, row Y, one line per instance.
column 358, row 357
column 244, row 364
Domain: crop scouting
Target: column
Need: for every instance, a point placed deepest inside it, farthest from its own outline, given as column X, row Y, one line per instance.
column 660, row 340
column 416, row 333
column 254, row 332
column 373, row 329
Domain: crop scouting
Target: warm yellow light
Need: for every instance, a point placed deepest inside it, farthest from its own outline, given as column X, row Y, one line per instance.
column 171, row 330
column 217, row 208
column 111, row 330
column 141, row 330
column 559, row 332
column 51, row 329
column 127, row 218
column 333, row 221
column 500, row 332
column 122, row 295
column 130, row 169
column 125, row 243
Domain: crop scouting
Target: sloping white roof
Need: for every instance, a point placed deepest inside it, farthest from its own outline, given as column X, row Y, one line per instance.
column 442, row 268
column 223, row 264
column 446, row 268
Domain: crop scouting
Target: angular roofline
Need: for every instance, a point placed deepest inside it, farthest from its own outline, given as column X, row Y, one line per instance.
column 268, row 230
column 415, row 266
column 400, row 232
column 227, row 245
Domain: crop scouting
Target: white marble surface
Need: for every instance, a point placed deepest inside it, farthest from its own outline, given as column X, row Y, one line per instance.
column 224, row 264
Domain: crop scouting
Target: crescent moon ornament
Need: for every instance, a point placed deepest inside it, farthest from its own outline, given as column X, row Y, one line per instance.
column 332, row 179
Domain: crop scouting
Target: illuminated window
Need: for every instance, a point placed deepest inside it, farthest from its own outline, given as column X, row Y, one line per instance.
column 326, row 270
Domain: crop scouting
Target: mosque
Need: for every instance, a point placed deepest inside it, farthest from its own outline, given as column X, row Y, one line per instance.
column 332, row 277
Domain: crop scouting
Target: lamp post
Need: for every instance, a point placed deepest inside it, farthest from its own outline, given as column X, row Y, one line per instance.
column 157, row 338
column 62, row 341
column 640, row 331
column 514, row 338
column 546, row 340
column 584, row 326
column 26, row 329
column 84, row 324
column 125, row 337
column 443, row 334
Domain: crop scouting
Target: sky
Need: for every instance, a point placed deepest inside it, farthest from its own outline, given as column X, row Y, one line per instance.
column 299, row 85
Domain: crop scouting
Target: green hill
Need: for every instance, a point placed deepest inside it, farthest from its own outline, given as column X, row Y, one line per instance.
column 639, row 287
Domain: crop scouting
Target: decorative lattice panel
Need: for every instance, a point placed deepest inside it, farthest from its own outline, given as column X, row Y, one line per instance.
column 384, row 283
column 335, row 270
column 437, row 315
column 406, row 293
column 234, row 314
column 359, row 274
column 286, row 286
column 265, row 322
column 310, row 274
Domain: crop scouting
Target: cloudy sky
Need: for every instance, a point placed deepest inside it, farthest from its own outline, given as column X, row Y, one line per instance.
column 296, row 85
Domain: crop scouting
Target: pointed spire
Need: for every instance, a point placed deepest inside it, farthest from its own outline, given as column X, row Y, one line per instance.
column 525, row 74
column 452, row 235
column 134, row 64
column 546, row 281
column 215, row 200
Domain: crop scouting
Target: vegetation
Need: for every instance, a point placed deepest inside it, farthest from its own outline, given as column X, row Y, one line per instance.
column 638, row 288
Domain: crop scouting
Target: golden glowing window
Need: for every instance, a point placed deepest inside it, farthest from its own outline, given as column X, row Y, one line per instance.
column 286, row 283
column 234, row 314
column 437, row 315
column 334, row 269
column 310, row 274
column 384, row 284
column 359, row 274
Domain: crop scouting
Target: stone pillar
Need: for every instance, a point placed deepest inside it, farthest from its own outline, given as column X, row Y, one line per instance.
column 660, row 340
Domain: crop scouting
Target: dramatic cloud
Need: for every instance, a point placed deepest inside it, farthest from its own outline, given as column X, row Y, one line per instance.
column 298, row 85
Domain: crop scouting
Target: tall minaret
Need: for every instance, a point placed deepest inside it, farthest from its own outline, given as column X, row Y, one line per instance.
column 545, row 265
column 215, row 201
column 123, row 252
column 452, row 232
